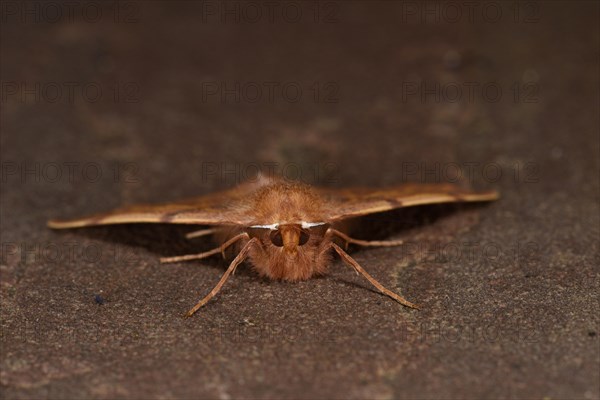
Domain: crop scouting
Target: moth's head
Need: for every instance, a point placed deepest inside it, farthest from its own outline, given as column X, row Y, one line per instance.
column 290, row 238
column 289, row 251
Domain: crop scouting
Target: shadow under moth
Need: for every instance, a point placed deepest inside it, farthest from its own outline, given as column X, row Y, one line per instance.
column 286, row 230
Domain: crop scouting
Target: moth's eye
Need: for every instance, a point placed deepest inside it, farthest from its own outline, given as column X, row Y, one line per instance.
column 304, row 236
column 276, row 238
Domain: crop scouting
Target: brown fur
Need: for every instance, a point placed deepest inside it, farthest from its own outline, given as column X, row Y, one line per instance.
column 286, row 202
column 295, row 263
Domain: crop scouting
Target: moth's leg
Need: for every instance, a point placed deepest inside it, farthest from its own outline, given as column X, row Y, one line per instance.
column 209, row 253
column 230, row 270
column 202, row 232
column 371, row 243
column 350, row 261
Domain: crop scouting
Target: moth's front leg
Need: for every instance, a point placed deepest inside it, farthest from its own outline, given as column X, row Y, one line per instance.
column 209, row 253
column 201, row 232
column 367, row 243
column 359, row 270
column 231, row 270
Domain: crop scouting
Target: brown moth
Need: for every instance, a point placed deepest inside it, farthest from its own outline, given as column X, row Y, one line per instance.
column 287, row 230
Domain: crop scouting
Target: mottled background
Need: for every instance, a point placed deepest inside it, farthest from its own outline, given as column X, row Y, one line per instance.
column 106, row 103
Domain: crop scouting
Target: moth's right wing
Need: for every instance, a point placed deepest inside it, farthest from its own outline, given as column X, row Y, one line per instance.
column 347, row 203
column 224, row 208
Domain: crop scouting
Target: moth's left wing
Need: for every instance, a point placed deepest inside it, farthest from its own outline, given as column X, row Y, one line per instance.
column 346, row 203
column 224, row 208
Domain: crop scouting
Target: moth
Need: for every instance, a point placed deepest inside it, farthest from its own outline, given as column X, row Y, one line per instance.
column 287, row 230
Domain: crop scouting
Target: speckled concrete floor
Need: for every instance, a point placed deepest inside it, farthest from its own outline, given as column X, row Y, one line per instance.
column 147, row 102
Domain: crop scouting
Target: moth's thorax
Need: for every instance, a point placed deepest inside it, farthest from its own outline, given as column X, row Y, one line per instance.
column 284, row 202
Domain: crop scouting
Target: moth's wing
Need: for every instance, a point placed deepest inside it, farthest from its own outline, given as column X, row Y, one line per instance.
column 224, row 208
column 346, row 203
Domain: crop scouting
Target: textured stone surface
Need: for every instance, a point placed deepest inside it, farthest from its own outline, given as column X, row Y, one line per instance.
column 509, row 290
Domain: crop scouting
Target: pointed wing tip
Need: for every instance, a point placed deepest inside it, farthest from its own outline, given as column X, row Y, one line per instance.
column 490, row 195
column 55, row 224
column 58, row 224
